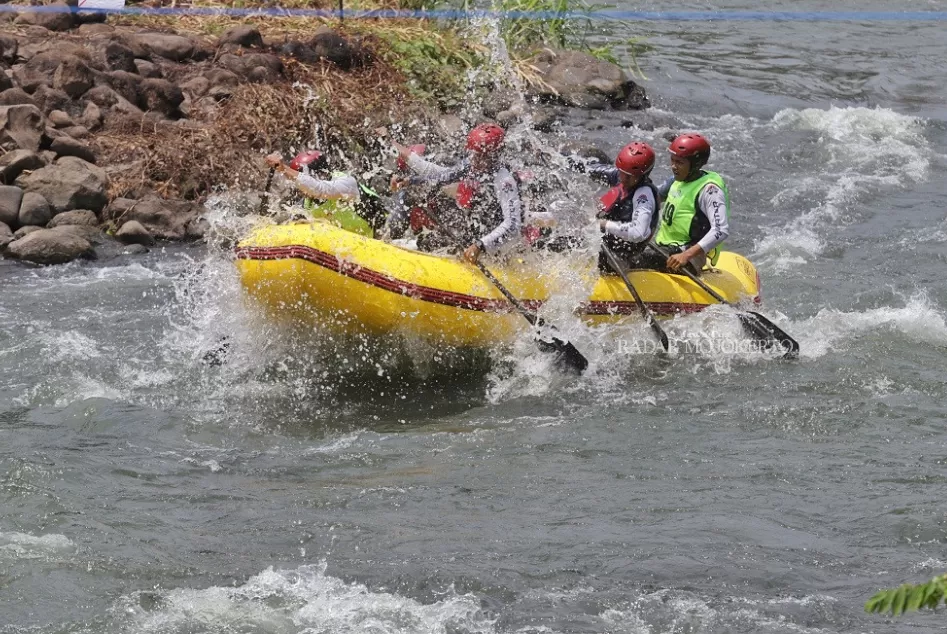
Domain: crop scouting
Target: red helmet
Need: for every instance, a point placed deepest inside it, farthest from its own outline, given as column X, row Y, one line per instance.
column 314, row 159
column 486, row 137
column 635, row 159
column 691, row 146
column 414, row 149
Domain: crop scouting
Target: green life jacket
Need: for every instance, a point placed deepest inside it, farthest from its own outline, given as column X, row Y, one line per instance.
column 681, row 223
column 342, row 213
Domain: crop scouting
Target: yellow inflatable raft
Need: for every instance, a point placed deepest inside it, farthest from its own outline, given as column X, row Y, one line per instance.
column 316, row 273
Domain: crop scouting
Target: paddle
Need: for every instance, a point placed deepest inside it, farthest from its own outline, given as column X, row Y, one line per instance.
column 649, row 317
column 567, row 356
column 754, row 323
column 265, row 199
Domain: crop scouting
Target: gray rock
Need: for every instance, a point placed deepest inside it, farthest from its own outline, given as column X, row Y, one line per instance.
column 10, row 198
column 14, row 97
column 135, row 249
column 161, row 96
column 244, row 35
column 8, row 48
column 6, row 236
column 73, row 77
column 48, row 99
column 61, row 20
column 545, row 119
column 585, row 151
column 48, row 246
column 21, row 127
column 164, row 219
column 128, row 85
column 68, row 146
column 68, row 184
column 12, row 164
column 221, row 77
column 38, row 70
column 578, row 79
column 148, row 69
column 77, row 132
column 6, row 83
column 34, row 210
column 25, row 231
column 177, row 48
column 133, row 232
column 196, row 87
column 92, row 117
column 94, row 235
column 120, row 57
column 329, row 45
column 82, row 217
column 117, row 209
column 60, row 119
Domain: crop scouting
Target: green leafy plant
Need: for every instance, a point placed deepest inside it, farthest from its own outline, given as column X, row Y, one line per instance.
column 908, row 597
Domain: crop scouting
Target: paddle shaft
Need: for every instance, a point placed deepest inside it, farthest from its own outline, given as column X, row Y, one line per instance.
column 760, row 325
column 567, row 354
column 265, row 199
column 645, row 311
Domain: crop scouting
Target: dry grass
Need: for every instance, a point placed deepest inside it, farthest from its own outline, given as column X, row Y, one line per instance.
column 318, row 105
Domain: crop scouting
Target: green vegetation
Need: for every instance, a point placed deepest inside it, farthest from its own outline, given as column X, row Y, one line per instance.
column 908, row 597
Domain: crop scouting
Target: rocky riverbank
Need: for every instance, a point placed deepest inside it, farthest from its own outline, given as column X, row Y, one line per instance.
column 114, row 133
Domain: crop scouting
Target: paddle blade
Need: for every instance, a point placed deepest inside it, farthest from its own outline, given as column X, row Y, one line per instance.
column 763, row 329
column 568, row 357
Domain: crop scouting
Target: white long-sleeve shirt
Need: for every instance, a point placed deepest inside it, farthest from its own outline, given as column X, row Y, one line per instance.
column 504, row 186
column 713, row 203
column 341, row 186
column 638, row 229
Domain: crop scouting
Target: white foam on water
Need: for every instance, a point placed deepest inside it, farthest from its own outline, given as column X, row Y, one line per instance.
column 294, row 601
column 930, row 564
column 69, row 345
column 862, row 150
column 918, row 320
column 25, row 546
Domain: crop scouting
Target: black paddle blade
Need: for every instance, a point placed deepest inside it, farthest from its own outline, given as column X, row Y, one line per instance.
column 567, row 356
column 765, row 330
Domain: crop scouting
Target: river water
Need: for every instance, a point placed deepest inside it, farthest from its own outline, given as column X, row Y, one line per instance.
column 316, row 487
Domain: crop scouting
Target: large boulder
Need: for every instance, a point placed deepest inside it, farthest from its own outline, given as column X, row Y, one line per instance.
column 119, row 57
column 161, row 96
column 177, row 48
column 58, row 16
column 48, row 246
column 10, row 198
column 163, row 219
column 5, row 82
column 48, row 99
column 15, row 97
column 92, row 117
column 69, row 183
column 12, row 164
column 128, row 85
column 39, row 69
column 133, row 232
column 6, row 236
column 25, row 230
column 82, row 217
column 243, row 65
column 21, row 127
column 581, row 80
column 148, row 69
column 68, row 146
column 8, row 48
column 34, row 210
column 73, row 77
column 244, row 36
